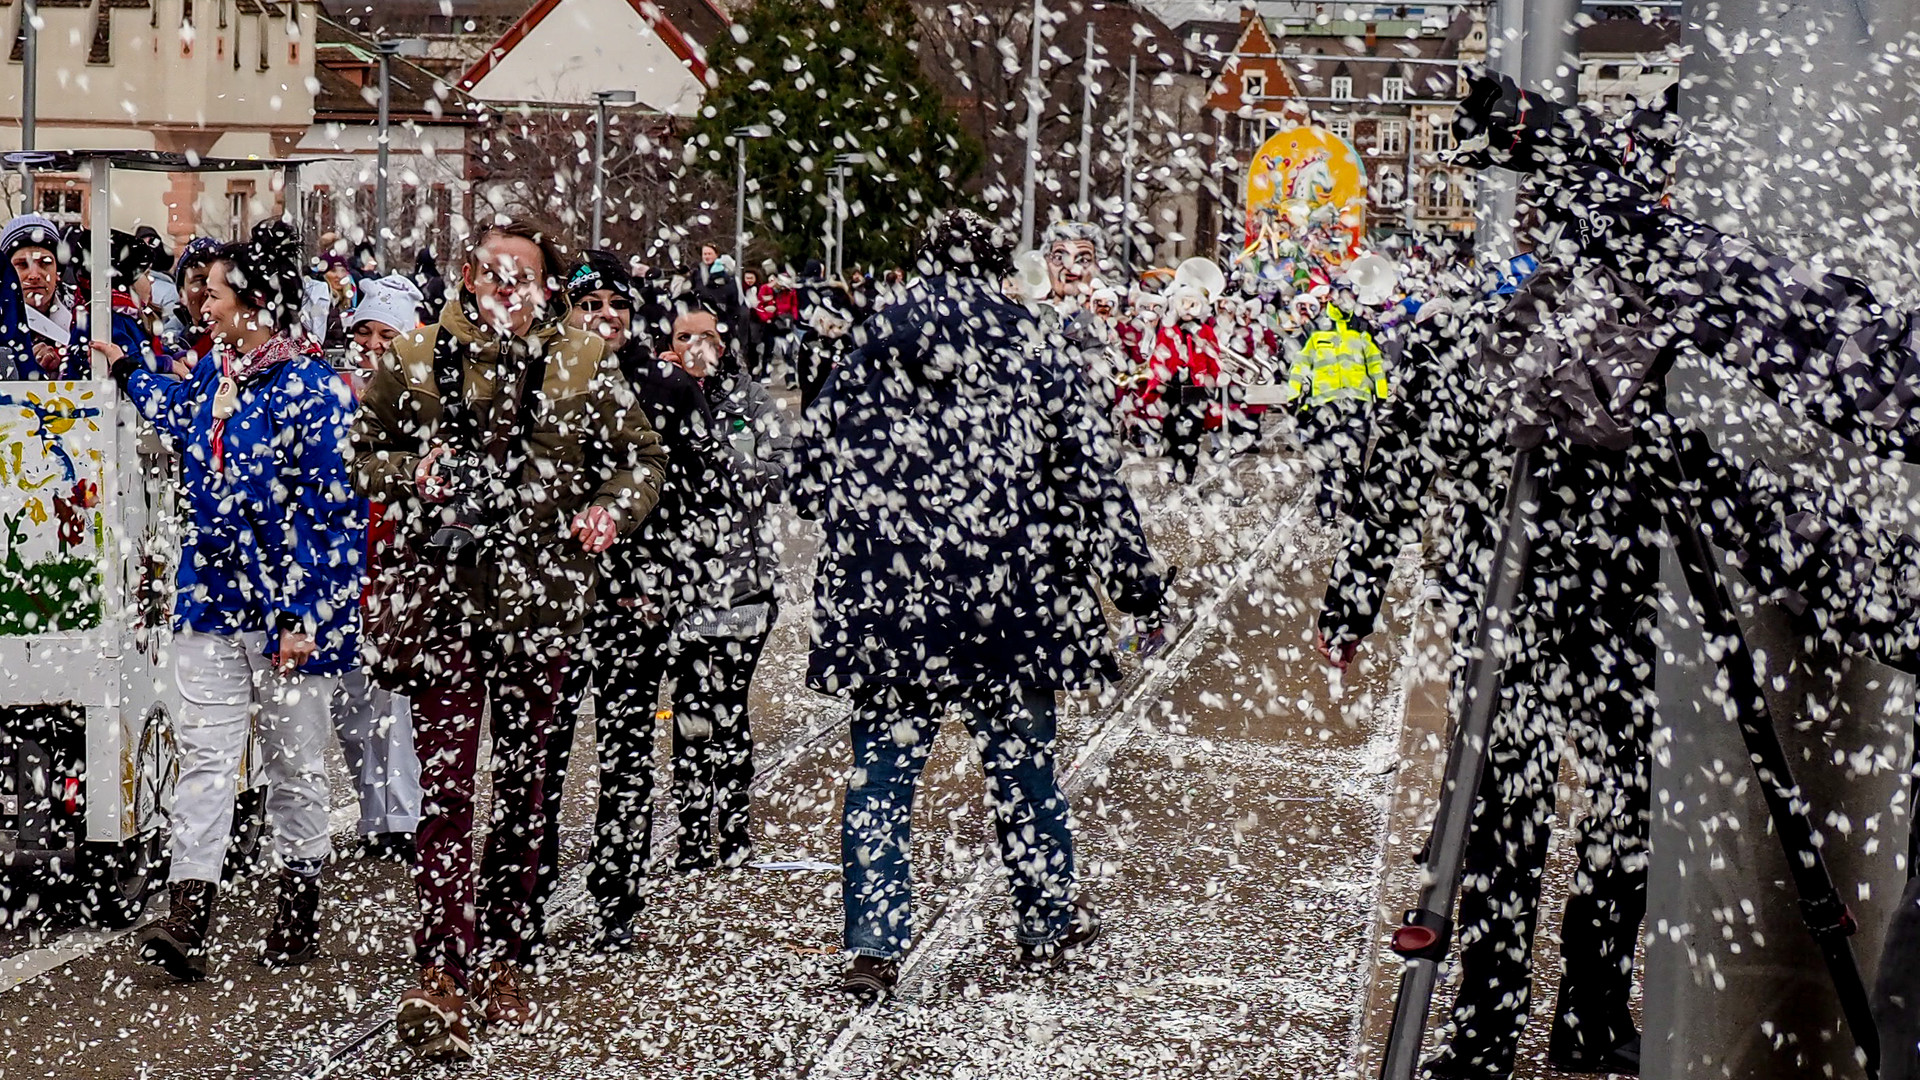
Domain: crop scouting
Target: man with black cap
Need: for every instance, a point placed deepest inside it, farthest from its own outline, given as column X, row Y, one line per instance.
column 641, row 581
column 43, row 330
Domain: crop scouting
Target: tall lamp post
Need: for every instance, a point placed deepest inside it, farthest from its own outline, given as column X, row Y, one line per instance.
column 29, row 92
column 841, row 162
column 1126, row 174
column 1033, row 132
column 602, row 99
column 1085, row 205
column 387, row 50
column 740, row 137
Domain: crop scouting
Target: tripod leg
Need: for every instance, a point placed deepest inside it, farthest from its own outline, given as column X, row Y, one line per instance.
column 1427, row 929
column 1821, row 906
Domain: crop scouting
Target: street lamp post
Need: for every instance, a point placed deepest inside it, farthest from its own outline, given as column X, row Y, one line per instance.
column 1086, row 132
column 740, row 137
column 602, row 99
column 1126, row 174
column 29, row 92
column 387, row 50
column 1033, row 132
column 841, row 162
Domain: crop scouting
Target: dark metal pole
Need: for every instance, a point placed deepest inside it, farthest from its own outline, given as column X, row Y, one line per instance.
column 599, row 163
column 386, row 50
column 1085, row 205
column 29, row 93
column 1427, row 930
column 1033, row 133
column 740, row 215
column 1126, row 174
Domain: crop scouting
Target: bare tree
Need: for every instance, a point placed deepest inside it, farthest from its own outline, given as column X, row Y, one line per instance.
column 538, row 164
column 978, row 52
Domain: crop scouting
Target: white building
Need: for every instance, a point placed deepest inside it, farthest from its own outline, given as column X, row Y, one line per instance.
column 561, row 52
column 427, row 168
column 222, row 78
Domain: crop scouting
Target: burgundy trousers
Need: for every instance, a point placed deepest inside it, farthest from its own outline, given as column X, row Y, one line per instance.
column 463, row 927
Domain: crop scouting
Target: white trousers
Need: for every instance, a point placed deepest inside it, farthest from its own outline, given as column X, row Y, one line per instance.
column 228, row 688
column 376, row 737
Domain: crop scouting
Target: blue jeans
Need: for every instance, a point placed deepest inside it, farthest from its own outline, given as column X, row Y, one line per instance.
column 893, row 732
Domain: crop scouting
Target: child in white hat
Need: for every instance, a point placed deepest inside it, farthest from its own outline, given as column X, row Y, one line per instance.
column 388, row 307
column 375, row 726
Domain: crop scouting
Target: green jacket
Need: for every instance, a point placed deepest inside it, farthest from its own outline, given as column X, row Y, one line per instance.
column 588, row 442
column 1340, row 364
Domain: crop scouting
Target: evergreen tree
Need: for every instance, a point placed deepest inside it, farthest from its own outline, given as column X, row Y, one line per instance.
column 827, row 78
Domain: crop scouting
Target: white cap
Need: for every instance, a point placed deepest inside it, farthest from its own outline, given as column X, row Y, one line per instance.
column 394, row 300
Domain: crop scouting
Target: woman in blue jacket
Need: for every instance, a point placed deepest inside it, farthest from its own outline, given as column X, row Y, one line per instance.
column 270, row 579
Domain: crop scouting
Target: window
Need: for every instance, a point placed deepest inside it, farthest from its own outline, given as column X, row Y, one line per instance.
column 62, row 205
column 1434, row 193
column 1392, row 138
column 441, row 203
column 1459, row 194
column 1393, row 89
column 239, row 208
column 1342, row 87
column 1254, row 87
column 1440, row 131
column 1393, row 191
column 1342, row 127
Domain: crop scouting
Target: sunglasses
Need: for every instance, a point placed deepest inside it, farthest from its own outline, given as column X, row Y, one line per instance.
column 618, row 303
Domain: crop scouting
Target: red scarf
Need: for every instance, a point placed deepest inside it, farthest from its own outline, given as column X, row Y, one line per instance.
column 277, row 349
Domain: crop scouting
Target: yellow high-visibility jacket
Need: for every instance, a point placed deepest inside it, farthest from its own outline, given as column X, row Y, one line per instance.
column 1341, row 364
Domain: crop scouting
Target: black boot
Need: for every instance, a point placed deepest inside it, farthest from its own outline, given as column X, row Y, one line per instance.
column 294, row 937
column 178, row 942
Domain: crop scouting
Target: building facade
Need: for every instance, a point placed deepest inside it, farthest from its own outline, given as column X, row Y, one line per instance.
column 214, row 78
column 1387, row 79
column 429, row 188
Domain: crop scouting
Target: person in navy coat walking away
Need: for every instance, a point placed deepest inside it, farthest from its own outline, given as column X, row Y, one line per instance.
column 270, row 577
column 967, row 486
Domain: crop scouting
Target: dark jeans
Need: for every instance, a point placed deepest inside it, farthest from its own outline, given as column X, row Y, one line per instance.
column 1896, row 990
column 713, row 743
column 893, row 728
column 1184, row 430
column 1601, row 701
column 1335, row 436
column 622, row 840
column 630, row 661
column 460, row 929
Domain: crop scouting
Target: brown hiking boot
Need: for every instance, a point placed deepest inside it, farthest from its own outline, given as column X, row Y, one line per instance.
column 1083, row 928
column 178, row 942
column 432, row 1019
column 294, row 937
column 504, row 996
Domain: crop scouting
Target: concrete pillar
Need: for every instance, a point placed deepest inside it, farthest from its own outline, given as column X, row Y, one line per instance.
column 1790, row 106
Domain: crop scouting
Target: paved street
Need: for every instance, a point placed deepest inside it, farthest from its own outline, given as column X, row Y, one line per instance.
column 1231, row 807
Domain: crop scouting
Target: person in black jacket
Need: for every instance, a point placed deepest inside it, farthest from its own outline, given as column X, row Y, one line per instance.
column 648, row 579
column 1580, row 677
column 968, row 490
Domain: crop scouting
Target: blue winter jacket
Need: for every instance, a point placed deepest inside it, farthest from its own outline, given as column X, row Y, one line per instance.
column 968, row 489
column 276, row 539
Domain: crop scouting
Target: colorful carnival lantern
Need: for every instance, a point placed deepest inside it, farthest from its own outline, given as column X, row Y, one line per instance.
column 1306, row 200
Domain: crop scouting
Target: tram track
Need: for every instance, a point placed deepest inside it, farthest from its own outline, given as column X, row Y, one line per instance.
column 372, row 1034
column 934, row 949
column 569, row 902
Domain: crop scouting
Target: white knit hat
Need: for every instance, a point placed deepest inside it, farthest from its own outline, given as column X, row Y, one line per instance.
column 394, row 300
